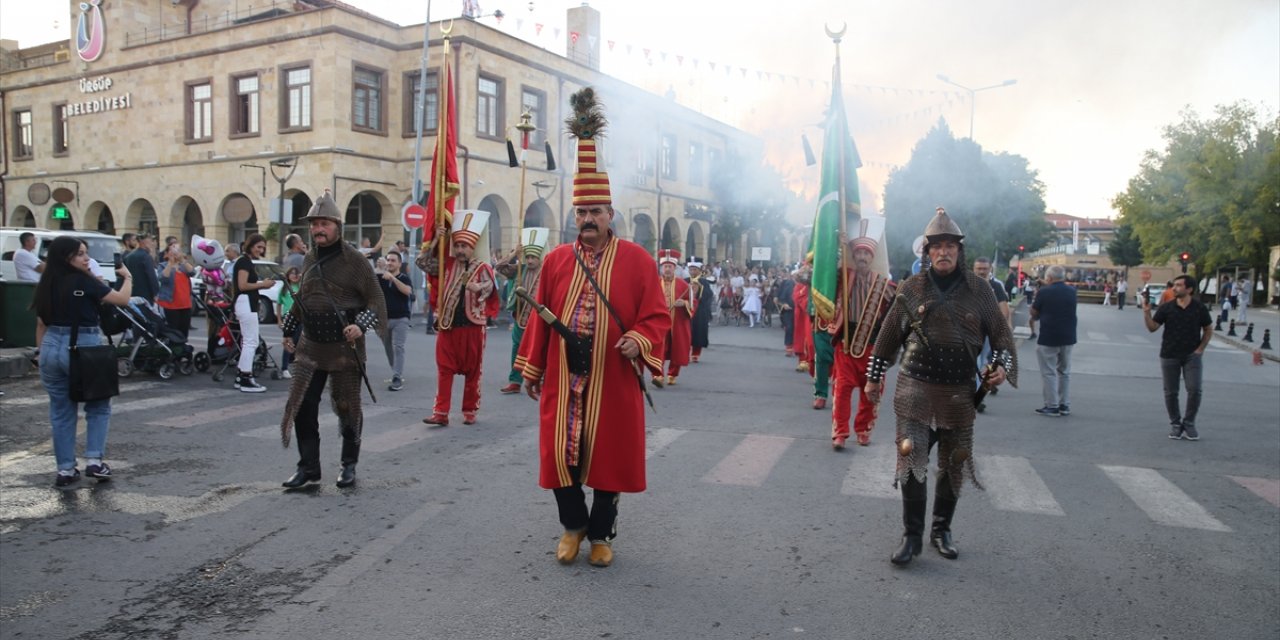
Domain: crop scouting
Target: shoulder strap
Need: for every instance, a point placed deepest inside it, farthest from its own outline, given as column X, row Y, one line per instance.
column 603, row 299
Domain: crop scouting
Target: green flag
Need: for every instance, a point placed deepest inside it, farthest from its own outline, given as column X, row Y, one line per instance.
column 838, row 191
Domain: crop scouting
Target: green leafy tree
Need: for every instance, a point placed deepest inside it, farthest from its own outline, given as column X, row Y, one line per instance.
column 1212, row 191
column 1125, row 249
column 997, row 199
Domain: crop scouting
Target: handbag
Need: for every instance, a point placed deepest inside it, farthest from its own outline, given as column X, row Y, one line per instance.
column 94, row 375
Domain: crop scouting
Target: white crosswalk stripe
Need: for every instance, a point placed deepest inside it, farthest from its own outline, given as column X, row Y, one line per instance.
column 219, row 415
column 161, row 401
column 1099, row 336
column 327, row 422
column 1162, row 500
column 658, row 439
column 1137, row 339
column 1014, row 485
column 750, row 462
column 871, row 473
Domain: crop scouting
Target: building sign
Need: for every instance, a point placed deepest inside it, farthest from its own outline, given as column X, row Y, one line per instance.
column 90, row 86
column 91, row 31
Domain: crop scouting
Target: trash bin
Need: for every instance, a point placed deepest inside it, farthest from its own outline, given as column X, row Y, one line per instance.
column 17, row 320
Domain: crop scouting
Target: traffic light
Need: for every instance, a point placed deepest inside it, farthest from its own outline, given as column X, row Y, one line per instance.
column 1021, row 248
column 1184, row 258
column 60, row 212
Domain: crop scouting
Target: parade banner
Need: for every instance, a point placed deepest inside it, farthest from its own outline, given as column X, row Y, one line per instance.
column 838, row 192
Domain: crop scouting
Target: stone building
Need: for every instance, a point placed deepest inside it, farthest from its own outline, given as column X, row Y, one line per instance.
column 182, row 117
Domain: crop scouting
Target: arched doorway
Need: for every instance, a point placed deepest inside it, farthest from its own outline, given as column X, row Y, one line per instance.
column 693, row 245
column 498, row 209
column 644, row 234
column 141, row 217
column 670, row 234
column 301, row 206
column 241, row 217
column 363, row 220
column 65, row 224
column 22, row 217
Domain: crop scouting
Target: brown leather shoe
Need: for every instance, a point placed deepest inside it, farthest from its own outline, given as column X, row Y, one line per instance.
column 468, row 418
column 510, row 388
column 838, row 444
column 567, row 549
column 437, row 419
column 819, row 403
column 671, row 381
column 864, row 438
column 601, row 554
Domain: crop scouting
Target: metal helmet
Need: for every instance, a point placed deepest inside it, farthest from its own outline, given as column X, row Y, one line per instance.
column 942, row 227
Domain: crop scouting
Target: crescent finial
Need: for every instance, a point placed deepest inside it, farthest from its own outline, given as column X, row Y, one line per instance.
column 836, row 35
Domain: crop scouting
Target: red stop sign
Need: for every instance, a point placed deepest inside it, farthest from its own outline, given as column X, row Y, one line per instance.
column 414, row 215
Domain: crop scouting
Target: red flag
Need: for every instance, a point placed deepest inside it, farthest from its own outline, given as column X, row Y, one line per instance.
column 444, row 164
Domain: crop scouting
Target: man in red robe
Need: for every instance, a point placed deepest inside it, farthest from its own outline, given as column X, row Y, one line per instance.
column 864, row 301
column 464, row 304
column 585, row 440
column 803, row 343
column 679, row 298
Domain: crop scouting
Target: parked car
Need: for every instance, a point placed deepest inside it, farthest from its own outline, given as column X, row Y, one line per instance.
column 102, row 248
column 1156, row 289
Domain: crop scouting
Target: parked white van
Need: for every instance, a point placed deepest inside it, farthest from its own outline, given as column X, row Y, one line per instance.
column 102, row 248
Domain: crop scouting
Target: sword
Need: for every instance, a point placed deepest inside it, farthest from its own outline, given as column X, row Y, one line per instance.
column 985, row 387
column 555, row 323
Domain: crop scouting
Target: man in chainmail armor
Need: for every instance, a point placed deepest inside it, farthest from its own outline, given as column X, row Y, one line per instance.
column 338, row 302
column 939, row 319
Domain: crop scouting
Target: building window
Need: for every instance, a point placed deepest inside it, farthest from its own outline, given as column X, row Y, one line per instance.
column 667, row 157
column 432, row 116
column 199, row 111
column 61, row 130
column 642, row 161
column 366, row 96
column 534, row 103
column 244, row 105
column 23, row 143
column 489, row 109
column 295, row 100
column 695, row 164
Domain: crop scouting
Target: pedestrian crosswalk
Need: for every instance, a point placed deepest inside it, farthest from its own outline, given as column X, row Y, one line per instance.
column 735, row 461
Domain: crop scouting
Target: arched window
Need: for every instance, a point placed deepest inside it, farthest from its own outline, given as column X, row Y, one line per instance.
column 363, row 220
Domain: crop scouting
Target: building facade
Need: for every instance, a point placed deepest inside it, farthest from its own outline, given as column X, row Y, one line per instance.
column 192, row 116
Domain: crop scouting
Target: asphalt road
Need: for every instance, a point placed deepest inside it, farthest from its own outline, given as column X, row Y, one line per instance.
column 1091, row 526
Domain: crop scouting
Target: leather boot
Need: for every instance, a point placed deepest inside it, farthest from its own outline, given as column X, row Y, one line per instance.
column 915, row 499
column 347, row 476
column 944, row 508
column 570, row 543
column 308, row 464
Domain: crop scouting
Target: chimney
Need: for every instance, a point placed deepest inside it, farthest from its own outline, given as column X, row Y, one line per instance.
column 584, row 36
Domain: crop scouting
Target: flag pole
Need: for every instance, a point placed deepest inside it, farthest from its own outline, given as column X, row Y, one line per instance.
column 844, row 284
column 439, row 195
column 419, row 120
column 525, row 127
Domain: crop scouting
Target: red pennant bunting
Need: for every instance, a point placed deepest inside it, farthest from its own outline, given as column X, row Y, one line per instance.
column 646, row 53
column 611, row 43
column 573, row 37
column 537, row 28
column 680, row 60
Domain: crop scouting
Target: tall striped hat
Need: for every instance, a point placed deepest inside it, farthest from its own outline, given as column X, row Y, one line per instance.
column 590, row 185
column 533, row 241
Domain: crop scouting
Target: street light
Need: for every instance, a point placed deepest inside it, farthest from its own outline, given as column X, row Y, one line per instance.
column 289, row 164
column 972, row 96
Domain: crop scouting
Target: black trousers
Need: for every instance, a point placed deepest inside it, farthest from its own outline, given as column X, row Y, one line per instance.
column 601, row 522
column 787, row 316
column 306, row 424
column 179, row 319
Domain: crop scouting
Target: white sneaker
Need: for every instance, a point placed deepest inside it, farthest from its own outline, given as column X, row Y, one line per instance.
column 285, row 375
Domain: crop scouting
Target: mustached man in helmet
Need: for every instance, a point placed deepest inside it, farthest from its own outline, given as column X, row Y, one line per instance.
column 610, row 320
column 940, row 318
column 338, row 302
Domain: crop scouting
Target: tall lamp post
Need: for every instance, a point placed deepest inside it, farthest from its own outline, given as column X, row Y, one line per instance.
column 286, row 166
column 973, row 96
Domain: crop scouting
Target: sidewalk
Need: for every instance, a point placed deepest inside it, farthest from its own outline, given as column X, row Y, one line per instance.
column 1262, row 318
column 16, row 362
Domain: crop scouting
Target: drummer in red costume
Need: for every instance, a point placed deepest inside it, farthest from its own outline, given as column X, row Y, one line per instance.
column 607, row 299
column 464, row 304
column 680, row 301
column 864, row 301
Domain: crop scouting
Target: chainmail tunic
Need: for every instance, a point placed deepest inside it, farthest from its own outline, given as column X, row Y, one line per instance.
column 954, row 322
column 347, row 282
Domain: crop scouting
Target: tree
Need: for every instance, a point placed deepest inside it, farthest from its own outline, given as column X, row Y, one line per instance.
column 1125, row 249
column 1211, row 192
column 997, row 199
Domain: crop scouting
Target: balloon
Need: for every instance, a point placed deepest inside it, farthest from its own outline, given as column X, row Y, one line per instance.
column 207, row 252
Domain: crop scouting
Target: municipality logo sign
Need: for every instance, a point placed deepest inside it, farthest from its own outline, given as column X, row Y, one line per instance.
column 91, row 32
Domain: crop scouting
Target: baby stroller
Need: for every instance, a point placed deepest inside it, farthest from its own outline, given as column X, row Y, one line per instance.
column 225, row 348
column 147, row 343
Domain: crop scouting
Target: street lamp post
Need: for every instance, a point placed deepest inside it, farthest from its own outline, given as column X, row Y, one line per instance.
column 973, row 96
column 290, row 164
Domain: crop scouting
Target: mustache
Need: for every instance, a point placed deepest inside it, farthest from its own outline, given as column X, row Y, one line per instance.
column 589, row 225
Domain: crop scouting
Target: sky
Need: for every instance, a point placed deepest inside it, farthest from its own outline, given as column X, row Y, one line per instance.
column 1097, row 81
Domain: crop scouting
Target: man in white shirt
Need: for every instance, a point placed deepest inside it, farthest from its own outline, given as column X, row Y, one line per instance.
column 28, row 266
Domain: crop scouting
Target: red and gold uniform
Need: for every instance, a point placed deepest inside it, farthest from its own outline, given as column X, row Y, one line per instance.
column 855, row 327
column 680, row 338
